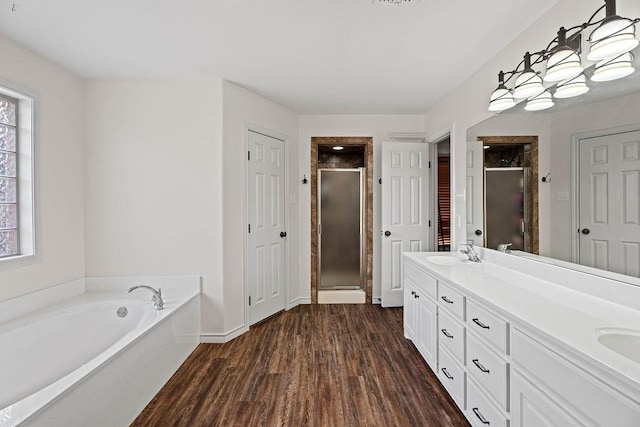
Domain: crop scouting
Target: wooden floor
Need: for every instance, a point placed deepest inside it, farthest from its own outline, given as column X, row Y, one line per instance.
column 315, row 365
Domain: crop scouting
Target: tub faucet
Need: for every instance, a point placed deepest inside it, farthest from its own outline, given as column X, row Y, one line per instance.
column 156, row 299
column 470, row 252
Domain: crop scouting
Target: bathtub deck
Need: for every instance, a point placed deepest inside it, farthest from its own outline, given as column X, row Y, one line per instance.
column 339, row 365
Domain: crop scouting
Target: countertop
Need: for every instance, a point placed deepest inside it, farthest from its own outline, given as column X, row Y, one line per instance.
column 567, row 316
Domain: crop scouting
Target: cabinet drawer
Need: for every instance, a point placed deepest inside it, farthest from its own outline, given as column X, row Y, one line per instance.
column 421, row 279
column 451, row 335
column 451, row 299
column 488, row 325
column 452, row 376
column 488, row 369
column 480, row 411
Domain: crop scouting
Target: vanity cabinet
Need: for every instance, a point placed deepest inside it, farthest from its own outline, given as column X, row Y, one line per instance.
column 421, row 313
column 500, row 371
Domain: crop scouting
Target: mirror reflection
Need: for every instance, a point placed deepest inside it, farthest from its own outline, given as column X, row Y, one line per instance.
column 564, row 182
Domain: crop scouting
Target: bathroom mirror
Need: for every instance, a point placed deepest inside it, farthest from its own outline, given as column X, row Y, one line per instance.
column 551, row 194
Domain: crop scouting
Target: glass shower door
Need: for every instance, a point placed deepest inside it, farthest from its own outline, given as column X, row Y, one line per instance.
column 505, row 207
column 340, row 211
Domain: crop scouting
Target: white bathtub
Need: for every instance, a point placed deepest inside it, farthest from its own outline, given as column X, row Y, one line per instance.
column 77, row 362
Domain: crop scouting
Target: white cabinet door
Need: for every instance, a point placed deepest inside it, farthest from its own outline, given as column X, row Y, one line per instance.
column 426, row 329
column 409, row 311
column 531, row 408
column 405, row 223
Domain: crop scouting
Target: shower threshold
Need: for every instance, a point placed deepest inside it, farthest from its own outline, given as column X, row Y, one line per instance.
column 341, row 296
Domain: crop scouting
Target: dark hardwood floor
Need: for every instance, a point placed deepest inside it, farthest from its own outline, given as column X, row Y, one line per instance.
column 315, row 365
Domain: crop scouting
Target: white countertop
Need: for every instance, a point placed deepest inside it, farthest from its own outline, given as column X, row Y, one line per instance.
column 568, row 316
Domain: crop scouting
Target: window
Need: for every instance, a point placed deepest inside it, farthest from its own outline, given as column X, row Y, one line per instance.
column 16, row 176
column 9, row 244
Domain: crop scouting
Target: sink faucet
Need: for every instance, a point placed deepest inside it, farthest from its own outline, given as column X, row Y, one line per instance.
column 156, row 299
column 470, row 252
column 504, row 247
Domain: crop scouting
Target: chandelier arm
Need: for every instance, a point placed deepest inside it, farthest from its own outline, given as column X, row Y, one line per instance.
column 594, row 15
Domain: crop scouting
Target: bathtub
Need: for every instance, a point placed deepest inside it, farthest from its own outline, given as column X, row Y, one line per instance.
column 97, row 355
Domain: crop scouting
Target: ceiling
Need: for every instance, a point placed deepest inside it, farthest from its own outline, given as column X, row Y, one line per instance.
column 311, row 56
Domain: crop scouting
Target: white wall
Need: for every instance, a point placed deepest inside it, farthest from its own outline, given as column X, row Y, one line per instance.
column 242, row 108
column 59, row 171
column 467, row 105
column 153, row 182
column 377, row 126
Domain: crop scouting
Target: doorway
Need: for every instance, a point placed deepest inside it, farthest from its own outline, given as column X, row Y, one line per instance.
column 341, row 226
column 356, row 153
column 520, row 154
column 443, row 193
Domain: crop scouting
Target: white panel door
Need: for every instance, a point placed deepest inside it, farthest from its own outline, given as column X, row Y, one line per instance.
column 609, row 204
column 267, row 234
column 475, row 192
column 405, row 210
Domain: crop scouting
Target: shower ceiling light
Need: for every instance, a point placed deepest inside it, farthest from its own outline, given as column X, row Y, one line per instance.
column 338, row 147
column 611, row 43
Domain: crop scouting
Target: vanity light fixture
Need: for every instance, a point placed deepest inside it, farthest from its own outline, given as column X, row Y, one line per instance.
column 338, row 147
column 528, row 83
column 572, row 87
column 614, row 36
column 613, row 69
column 501, row 98
column 610, row 44
column 540, row 102
column 563, row 62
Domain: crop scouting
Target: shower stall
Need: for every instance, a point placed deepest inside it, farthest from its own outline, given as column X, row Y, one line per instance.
column 341, row 229
column 506, row 207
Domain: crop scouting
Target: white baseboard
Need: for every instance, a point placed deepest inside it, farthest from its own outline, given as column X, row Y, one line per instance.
column 224, row 337
column 298, row 301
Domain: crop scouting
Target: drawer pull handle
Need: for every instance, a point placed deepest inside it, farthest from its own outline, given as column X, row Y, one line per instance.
column 447, row 300
column 446, row 374
column 482, row 419
column 479, row 365
column 416, row 296
column 446, row 334
column 479, row 323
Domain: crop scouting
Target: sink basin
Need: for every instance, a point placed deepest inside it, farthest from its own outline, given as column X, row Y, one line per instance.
column 445, row 260
column 625, row 342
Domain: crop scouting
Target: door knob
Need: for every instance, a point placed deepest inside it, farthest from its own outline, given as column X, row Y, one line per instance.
column 387, row 233
column 283, row 234
column 478, row 232
column 585, row 231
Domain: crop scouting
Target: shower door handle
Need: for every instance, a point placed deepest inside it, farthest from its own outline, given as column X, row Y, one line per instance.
column 387, row 233
column 283, row 234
